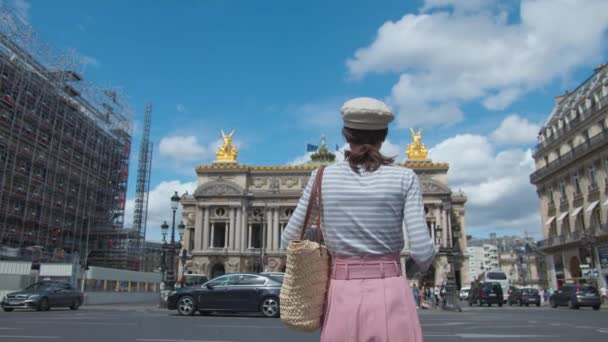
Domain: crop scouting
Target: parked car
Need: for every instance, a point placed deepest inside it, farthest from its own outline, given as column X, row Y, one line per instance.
column 524, row 296
column 464, row 293
column 236, row 292
column 43, row 296
column 575, row 296
column 486, row 293
column 276, row 275
column 193, row 279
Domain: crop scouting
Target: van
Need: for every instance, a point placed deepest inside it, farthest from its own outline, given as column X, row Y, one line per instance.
column 495, row 277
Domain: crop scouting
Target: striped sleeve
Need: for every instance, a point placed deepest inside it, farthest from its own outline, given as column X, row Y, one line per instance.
column 294, row 226
column 422, row 249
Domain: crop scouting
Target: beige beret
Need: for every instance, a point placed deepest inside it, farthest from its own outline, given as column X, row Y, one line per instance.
column 366, row 113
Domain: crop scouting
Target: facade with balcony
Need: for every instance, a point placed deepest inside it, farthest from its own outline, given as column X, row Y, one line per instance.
column 571, row 179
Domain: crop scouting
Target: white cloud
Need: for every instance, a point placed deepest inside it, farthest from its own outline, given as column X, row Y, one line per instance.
column 514, row 130
column 181, row 108
column 502, row 99
column 496, row 183
column 159, row 206
column 183, row 148
column 324, row 114
column 465, row 51
column 90, row 61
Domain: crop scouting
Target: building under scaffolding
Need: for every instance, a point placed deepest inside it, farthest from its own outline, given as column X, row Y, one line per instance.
column 64, row 156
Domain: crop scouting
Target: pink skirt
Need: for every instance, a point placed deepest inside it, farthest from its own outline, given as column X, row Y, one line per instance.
column 368, row 300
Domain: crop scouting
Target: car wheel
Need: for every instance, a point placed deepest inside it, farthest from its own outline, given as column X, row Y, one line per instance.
column 43, row 305
column 270, row 307
column 527, row 304
column 553, row 304
column 500, row 304
column 571, row 305
column 537, row 304
column 470, row 303
column 185, row 306
column 596, row 307
column 75, row 305
column 11, row 309
column 489, row 304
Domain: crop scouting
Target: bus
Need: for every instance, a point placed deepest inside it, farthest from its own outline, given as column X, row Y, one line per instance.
column 496, row 277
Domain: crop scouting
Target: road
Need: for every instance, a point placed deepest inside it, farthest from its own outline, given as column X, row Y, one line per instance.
column 148, row 324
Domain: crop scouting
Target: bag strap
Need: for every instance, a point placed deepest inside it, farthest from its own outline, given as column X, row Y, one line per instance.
column 314, row 198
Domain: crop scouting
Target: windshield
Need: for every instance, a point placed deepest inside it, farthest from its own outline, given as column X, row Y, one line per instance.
column 530, row 291
column 588, row 289
column 39, row 286
column 496, row 276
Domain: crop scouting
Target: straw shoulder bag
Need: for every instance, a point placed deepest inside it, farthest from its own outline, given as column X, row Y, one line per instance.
column 305, row 284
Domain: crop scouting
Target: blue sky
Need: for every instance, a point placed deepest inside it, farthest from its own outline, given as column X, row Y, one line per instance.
column 476, row 75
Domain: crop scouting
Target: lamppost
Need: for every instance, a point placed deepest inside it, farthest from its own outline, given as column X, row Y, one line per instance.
column 172, row 248
column 451, row 287
column 588, row 240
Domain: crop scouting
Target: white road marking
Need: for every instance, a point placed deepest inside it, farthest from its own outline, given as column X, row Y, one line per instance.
column 7, row 328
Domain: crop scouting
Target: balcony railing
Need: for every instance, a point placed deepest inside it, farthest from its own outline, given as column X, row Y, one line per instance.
column 573, row 237
column 596, row 141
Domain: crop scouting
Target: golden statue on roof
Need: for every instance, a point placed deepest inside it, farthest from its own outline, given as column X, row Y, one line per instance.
column 416, row 150
column 226, row 153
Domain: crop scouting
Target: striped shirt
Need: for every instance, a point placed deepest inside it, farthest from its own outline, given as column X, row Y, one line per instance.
column 368, row 213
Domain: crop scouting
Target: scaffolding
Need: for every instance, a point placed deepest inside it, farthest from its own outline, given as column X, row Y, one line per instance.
column 142, row 185
column 64, row 148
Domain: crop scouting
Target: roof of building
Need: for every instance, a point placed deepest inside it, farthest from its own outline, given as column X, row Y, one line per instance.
column 412, row 164
column 571, row 100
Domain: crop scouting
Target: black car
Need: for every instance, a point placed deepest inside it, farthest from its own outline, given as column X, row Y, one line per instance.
column 236, row 292
column 486, row 293
column 575, row 296
column 524, row 296
column 43, row 296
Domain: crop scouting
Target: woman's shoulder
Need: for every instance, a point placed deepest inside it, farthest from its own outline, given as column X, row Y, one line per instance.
column 398, row 169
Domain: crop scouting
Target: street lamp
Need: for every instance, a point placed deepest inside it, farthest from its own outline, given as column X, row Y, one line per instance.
column 172, row 248
column 453, row 257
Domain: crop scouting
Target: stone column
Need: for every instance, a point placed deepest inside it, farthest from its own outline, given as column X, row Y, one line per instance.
column 212, row 235
column 232, row 231
column 449, row 224
column 198, row 230
column 444, row 230
column 244, row 235
column 226, row 234
column 249, row 236
column 268, row 229
column 237, row 233
column 205, row 229
column 437, row 214
column 275, row 230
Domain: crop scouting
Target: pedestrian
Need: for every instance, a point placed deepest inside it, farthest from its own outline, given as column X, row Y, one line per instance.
column 416, row 296
column 603, row 293
column 444, row 297
column 433, row 296
column 367, row 205
column 546, row 294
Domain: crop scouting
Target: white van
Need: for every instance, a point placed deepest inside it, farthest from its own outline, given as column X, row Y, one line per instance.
column 496, row 277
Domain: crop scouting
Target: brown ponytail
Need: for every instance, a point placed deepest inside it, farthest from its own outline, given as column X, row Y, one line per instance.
column 363, row 153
